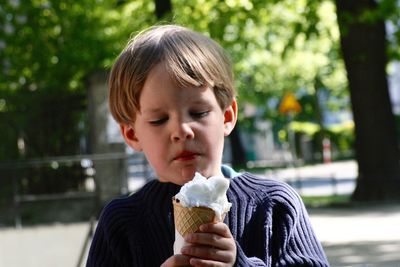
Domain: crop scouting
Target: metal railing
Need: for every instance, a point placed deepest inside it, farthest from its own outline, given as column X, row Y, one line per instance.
column 136, row 166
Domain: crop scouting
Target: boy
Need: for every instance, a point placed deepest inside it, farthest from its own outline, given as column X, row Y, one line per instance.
column 171, row 91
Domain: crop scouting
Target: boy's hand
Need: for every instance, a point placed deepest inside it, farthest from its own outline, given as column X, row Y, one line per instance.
column 213, row 245
column 176, row 260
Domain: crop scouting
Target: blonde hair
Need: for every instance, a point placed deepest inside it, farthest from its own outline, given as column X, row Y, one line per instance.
column 192, row 60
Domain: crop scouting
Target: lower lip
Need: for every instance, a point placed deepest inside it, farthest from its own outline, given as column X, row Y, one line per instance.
column 186, row 158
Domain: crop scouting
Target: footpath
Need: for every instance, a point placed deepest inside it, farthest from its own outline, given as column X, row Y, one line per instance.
column 359, row 236
column 366, row 236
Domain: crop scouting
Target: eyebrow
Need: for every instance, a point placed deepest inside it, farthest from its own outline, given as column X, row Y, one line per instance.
column 151, row 110
column 197, row 101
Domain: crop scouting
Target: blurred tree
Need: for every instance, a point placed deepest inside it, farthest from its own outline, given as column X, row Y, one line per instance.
column 273, row 47
column 73, row 40
column 47, row 49
column 163, row 8
column 43, row 60
column 285, row 45
column 364, row 44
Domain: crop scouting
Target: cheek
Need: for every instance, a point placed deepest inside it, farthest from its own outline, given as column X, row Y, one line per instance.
column 153, row 146
column 155, row 150
column 214, row 138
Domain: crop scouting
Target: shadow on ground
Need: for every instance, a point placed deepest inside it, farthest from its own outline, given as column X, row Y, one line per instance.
column 368, row 254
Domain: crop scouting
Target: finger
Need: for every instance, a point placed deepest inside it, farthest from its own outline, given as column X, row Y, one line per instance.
column 211, row 240
column 204, row 263
column 177, row 260
column 219, row 228
column 207, row 253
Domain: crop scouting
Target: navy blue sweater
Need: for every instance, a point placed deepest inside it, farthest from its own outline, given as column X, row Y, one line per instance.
column 267, row 219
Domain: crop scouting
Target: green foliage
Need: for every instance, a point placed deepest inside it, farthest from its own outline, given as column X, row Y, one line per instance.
column 326, row 201
column 49, row 47
column 276, row 46
column 47, row 50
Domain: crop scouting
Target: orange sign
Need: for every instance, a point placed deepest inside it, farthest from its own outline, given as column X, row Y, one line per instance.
column 289, row 104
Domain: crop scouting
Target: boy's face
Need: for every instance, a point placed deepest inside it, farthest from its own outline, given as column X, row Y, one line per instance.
column 180, row 130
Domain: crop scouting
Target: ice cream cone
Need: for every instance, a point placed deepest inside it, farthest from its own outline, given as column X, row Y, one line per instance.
column 188, row 220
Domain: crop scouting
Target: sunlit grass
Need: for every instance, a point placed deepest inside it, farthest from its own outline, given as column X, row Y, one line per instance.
column 326, row 201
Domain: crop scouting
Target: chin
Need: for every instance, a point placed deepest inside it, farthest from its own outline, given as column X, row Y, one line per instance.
column 176, row 181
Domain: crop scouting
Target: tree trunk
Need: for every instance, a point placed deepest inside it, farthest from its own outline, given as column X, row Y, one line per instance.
column 238, row 152
column 163, row 9
column 111, row 178
column 363, row 45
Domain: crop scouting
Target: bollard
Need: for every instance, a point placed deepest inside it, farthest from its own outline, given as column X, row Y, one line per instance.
column 326, row 150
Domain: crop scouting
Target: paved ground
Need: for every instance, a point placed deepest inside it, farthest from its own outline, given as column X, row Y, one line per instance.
column 321, row 179
column 363, row 236
column 45, row 246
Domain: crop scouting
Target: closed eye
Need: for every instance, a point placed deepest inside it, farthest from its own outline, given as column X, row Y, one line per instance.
column 158, row 122
column 199, row 115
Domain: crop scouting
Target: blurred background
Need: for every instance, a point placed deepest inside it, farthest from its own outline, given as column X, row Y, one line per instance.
column 319, row 93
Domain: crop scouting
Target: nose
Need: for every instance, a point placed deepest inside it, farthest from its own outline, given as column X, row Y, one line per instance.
column 181, row 131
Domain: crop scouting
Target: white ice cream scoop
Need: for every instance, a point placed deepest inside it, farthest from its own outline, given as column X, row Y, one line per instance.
column 203, row 192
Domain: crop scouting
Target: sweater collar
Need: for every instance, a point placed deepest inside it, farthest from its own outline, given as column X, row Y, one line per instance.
column 229, row 172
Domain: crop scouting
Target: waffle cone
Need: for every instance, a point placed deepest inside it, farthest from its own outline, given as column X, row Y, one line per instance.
column 188, row 220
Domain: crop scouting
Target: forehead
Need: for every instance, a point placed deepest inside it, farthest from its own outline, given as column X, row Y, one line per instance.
column 161, row 90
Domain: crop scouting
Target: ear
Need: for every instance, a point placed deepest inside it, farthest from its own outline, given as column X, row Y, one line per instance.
column 230, row 117
column 130, row 137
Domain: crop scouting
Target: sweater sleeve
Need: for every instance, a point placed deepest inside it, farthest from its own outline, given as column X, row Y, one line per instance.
column 293, row 240
column 100, row 252
column 279, row 233
column 242, row 260
column 109, row 246
column 135, row 230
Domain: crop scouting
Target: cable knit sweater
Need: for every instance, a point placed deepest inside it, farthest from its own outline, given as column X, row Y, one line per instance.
column 267, row 219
